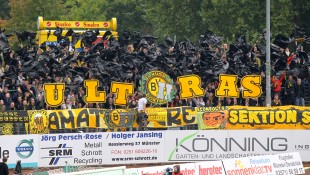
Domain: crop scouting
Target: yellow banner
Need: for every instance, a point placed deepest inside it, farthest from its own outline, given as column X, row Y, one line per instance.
column 212, row 118
column 171, row 117
column 38, row 122
column 112, row 24
column 282, row 117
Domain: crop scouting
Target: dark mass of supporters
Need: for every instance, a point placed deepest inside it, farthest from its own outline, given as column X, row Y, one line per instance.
column 127, row 58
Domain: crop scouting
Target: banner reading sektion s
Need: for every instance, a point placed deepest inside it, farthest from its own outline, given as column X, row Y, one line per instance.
column 18, row 147
column 282, row 117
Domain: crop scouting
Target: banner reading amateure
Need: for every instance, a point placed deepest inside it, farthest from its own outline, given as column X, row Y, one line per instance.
column 232, row 117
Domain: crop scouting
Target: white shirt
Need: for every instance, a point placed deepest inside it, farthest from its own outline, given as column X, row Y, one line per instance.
column 141, row 103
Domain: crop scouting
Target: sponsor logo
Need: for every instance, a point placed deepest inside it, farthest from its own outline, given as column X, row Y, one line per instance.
column 24, row 148
column 158, row 87
column 239, row 164
column 105, row 24
column 48, row 24
column 56, row 153
column 194, row 144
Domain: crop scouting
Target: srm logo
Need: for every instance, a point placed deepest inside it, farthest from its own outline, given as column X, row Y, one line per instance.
column 55, row 153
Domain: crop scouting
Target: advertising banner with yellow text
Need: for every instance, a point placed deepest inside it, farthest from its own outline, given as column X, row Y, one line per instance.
column 171, row 117
column 281, row 117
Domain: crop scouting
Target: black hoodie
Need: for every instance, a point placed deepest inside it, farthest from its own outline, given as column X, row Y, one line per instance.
column 4, row 170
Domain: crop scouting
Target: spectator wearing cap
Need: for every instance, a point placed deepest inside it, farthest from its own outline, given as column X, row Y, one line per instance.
column 299, row 91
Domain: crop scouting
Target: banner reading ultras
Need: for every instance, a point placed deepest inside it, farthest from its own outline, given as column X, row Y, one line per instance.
column 281, row 117
column 159, row 88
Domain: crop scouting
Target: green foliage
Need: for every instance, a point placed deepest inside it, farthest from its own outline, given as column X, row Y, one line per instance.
column 90, row 10
column 234, row 17
column 130, row 14
column 24, row 13
column 175, row 17
column 182, row 18
column 4, row 9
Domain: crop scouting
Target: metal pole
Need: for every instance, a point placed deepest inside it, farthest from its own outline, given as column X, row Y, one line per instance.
column 268, row 88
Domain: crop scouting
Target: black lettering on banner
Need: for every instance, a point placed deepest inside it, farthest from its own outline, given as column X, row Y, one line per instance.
column 185, row 113
column 83, row 116
column 173, row 119
column 259, row 117
column 97, row 113
column 53, row 120
column 66, row 119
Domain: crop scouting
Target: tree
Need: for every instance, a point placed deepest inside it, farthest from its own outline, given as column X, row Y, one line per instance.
column 175, row 17
column 4, row 9
column 24, row 13
column 235, row 17
column 130, row 14
column 90, row 10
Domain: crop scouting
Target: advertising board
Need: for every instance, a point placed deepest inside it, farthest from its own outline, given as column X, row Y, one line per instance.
column 72, row 149
column 229, row 144
column 101, row 148
column 134, row 147
column 287, row 163
column 18, row 147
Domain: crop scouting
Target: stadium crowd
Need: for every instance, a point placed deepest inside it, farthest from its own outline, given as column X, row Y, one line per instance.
column 125, row 59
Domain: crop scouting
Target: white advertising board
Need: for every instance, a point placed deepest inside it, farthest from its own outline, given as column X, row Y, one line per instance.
column 101, row 148
column 135, row 147
column 72, row 149
column 202, row 168
column 186, row 146
column 19, row 147
column 288, row 163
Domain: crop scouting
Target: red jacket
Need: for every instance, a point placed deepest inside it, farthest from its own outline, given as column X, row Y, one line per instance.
column 276, row 84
